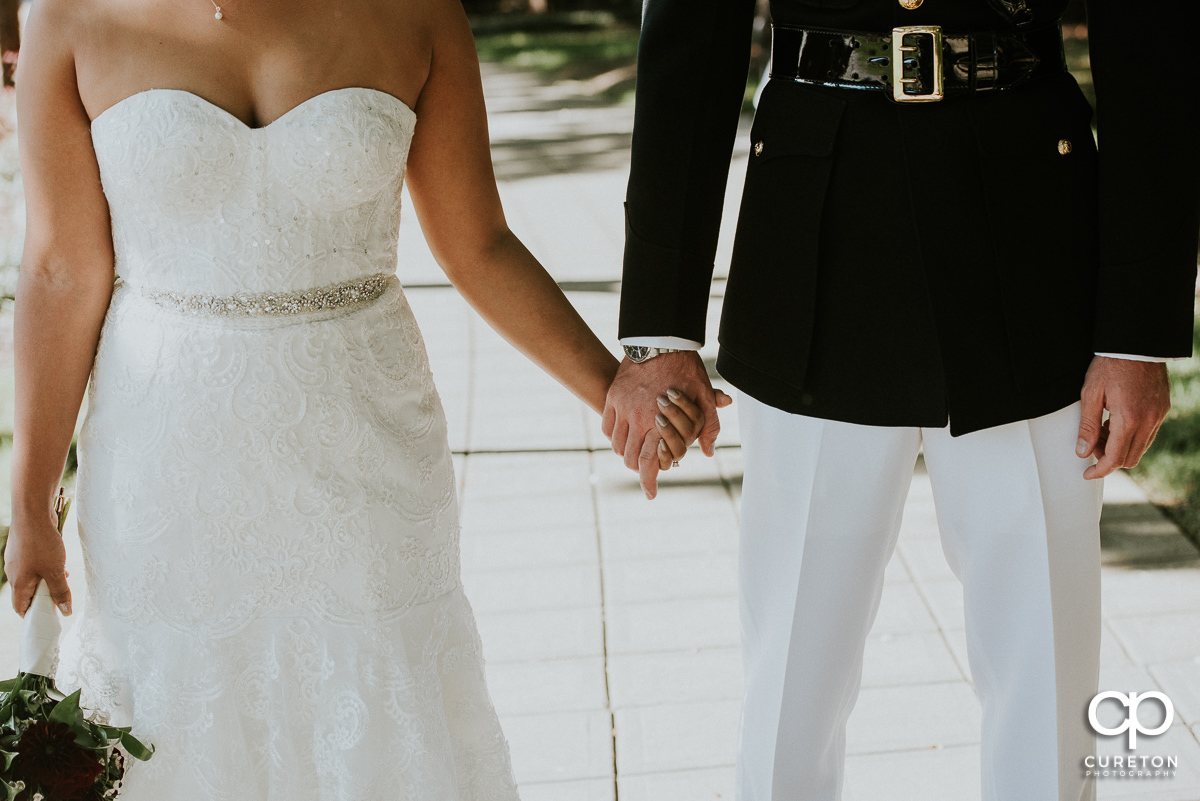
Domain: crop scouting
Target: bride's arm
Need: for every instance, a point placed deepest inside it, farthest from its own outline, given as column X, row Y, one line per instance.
column 62, row 294
column 453, row 187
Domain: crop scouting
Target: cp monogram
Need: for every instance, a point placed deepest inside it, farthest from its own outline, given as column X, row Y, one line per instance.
column 1132, row 724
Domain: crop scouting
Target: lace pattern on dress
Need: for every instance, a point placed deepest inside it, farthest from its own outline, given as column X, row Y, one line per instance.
column 266, row 497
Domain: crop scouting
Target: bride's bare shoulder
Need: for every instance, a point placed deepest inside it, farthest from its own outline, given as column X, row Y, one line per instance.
column 450, row 33
column 58, row 23
column 413, row 33
column 50, row 41
column 438, row 18
column 73, row 28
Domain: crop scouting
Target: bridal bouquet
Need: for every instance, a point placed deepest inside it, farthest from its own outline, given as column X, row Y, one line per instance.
column 49, row 750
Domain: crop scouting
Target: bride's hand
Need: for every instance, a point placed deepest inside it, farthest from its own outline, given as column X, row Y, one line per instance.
column 679, row 422
column 34, row 554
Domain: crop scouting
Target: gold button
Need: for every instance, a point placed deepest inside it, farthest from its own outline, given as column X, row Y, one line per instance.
column 911, row 4
column 1064, row 147
column 758, row 148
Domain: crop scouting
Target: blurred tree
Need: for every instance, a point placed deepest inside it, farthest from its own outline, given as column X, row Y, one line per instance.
column 10, row 37
column 632, row 9
column 1075, row 14
column 623, row 9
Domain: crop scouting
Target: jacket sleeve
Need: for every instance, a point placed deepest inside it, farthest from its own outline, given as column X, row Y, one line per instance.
column 693, row 57
column 1146, row 93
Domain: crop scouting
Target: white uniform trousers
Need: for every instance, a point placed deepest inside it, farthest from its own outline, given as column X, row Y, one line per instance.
column 821, row 509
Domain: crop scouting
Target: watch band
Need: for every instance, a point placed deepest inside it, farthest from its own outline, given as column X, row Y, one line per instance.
column 641, row 353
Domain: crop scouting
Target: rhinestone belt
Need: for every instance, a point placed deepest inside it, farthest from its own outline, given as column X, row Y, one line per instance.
column 272, row 304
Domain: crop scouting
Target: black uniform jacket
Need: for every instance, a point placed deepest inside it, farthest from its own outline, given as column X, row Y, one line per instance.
column 909, row 264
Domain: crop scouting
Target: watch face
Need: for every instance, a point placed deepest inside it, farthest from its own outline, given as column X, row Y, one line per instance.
column 637, row 353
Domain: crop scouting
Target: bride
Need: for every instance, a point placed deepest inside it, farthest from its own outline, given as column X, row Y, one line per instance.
column 265, row 494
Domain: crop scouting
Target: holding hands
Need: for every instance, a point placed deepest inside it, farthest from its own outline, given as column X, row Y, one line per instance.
column 655, row 409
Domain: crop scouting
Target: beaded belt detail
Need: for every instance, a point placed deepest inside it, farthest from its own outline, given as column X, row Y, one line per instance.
column 272, row 304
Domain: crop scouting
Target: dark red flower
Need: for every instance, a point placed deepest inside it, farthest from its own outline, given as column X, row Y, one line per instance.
column 48, row 757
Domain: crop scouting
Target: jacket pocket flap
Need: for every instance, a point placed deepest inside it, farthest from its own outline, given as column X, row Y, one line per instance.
column 794, row 120
column 1033, row 122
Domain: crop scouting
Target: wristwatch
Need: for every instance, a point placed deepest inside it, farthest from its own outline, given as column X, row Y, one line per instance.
column 641, row 353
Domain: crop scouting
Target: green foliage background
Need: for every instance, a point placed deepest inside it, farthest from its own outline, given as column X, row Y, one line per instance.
column 1170, row 470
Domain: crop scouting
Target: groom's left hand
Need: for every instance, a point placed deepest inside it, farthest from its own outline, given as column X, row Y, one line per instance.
column 1137, row 396
column 631, row 406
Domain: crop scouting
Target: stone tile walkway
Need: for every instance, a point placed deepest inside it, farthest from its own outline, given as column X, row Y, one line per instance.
column 610, row 623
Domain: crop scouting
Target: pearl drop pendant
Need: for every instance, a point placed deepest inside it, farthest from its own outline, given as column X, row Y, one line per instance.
column 218, row 15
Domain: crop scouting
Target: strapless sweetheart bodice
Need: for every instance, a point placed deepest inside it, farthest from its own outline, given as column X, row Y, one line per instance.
column 202, row 204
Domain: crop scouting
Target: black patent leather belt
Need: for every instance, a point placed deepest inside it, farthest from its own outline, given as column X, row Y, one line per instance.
column 917, row 63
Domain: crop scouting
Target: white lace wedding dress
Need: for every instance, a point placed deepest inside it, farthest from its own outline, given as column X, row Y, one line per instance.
column 266, row 496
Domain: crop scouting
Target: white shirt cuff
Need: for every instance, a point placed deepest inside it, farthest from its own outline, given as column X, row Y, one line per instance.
column 1132, row 358
column 678, row 343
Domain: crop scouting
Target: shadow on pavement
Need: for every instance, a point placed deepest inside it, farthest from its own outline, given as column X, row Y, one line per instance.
column 1139, row 536
column 532, row 157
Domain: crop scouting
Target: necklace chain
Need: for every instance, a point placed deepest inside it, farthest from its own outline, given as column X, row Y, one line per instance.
column 217, row 9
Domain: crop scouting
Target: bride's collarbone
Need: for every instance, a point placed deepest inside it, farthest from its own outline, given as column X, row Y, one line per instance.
column 256, row 79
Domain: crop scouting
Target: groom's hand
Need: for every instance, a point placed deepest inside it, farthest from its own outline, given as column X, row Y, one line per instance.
column 631, row 406
column 1137, row 396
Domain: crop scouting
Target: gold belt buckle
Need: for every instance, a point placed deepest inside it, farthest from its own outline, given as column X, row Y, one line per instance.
column 900, row 49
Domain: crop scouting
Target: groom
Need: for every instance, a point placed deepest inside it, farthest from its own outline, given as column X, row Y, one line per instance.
column 931, row 255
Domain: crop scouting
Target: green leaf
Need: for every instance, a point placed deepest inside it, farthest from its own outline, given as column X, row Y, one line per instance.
column 10, row 792
column 90, row 736
column 10, row 687
column 67, row 711
column 43, row 685
column 135, row 748
column 111, row 732
column 8, row 757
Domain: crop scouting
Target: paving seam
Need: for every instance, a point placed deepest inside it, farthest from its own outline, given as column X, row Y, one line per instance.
column 594, row 487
